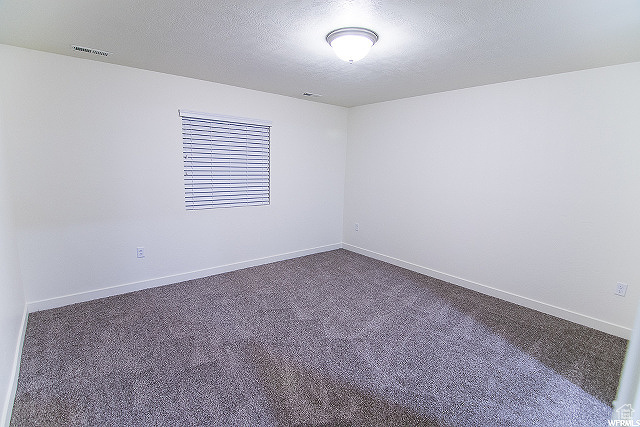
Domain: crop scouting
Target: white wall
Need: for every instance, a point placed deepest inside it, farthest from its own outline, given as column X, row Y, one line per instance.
column 97, row 171
column 12, row 301
column 526, row 190
column 530, row 187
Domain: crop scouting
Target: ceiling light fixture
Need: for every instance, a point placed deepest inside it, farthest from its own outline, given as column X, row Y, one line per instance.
column 351, row 43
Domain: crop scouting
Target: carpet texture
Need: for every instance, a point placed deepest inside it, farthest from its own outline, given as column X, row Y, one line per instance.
column 334, row 338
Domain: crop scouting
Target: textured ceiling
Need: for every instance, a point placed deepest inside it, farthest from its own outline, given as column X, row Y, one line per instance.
column 279, row 46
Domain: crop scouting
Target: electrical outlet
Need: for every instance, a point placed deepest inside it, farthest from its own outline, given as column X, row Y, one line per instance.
column 621, row 289
column 357, row 227
column 140, row 252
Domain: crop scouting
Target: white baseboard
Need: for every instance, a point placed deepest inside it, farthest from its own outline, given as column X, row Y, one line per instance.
column 563, row 313
column 13, row 383
column 553, row 310
column 167, row 280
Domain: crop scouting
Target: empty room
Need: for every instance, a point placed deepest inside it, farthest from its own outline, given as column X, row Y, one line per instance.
column 346, row 212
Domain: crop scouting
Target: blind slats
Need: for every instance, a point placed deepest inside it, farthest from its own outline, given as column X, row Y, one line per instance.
column 226, row 161
column 224, row 138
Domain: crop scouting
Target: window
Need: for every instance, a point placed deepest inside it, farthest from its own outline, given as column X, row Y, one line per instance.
column 226, row 161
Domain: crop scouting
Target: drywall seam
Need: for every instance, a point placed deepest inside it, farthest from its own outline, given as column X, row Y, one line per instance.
column 167, row 280
column 553, row 310
column 13, row 383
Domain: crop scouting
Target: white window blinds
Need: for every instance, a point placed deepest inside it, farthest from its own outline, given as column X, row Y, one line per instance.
column 226, row 160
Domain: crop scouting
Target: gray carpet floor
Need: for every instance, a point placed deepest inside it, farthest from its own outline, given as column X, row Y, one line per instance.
column 334, row 338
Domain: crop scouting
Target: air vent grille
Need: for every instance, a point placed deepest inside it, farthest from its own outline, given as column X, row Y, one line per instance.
column 90, row 50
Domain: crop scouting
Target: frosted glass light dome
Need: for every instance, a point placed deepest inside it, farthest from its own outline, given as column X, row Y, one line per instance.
column 352, row 43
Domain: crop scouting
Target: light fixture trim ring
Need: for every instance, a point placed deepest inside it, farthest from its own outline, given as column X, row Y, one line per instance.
column 352, row 31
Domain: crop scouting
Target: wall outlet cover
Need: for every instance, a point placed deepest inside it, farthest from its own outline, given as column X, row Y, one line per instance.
column 621, row 289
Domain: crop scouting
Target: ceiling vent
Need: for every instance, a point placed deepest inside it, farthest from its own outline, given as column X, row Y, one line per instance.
column 90, row 50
